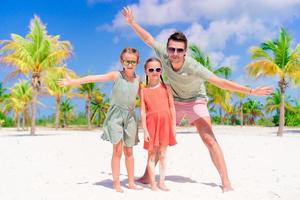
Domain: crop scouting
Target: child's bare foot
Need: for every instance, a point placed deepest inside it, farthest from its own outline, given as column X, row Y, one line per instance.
column 133, row 186
column 163, row 187
column 227, row 187
column 144, row 180
column 154, row 186
column 117, row 187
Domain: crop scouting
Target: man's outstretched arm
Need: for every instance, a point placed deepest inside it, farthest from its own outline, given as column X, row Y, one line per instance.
column 233, row 86
column 140, row 31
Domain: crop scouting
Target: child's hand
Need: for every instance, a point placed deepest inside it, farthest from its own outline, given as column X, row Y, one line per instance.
column 128, row 14
column 174, row 129
column 146, row 137
column 64, row 82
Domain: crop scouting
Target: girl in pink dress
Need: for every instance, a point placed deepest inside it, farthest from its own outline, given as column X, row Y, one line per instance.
column 158, row 120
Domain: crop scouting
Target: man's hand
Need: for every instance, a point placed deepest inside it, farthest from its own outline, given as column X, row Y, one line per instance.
column 128, row 14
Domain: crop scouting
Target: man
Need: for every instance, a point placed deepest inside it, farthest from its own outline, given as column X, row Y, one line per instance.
column 186, row 78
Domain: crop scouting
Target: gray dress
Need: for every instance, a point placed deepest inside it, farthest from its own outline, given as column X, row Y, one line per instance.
column 120, row 122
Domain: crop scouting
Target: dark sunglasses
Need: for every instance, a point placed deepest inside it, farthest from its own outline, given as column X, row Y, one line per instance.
column 128, row 62
column 151, row 70
column 173, row 50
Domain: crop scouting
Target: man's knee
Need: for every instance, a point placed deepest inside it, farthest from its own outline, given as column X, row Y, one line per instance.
column 209, row 140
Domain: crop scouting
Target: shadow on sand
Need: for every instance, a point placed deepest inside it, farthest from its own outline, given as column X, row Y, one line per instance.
column 179, row 179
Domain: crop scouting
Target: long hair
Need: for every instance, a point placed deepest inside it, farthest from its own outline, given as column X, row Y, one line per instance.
column 145, row 68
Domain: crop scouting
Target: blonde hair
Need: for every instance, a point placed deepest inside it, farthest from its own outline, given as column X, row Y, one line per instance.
column 131, row 51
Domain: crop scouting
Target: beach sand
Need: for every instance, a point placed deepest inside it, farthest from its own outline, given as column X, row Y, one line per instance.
column 75, row 165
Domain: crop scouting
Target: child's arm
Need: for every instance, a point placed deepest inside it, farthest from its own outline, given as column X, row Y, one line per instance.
column 172, row 107
column 111, row 76
column 143, row 117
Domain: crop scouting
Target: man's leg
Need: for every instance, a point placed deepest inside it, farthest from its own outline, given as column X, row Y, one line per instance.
column 204, row 128
column 145, row 179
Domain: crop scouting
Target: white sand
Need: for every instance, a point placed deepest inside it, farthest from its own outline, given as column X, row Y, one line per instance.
column 73, row 165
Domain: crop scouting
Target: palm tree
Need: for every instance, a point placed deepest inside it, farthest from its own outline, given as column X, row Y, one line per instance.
column 252, row 109
column 217, row 95
column 241, row 97
column 3, row 94
column 99, row 106
column 33, row 55
column 66, row 109
column 277, row 58
column 53, row 89
column 273, row 103
column 88, row 90
column 22, row 91
column 19, row 100
column 13, row 105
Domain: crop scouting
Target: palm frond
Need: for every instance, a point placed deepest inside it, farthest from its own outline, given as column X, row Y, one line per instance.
column 263, row 67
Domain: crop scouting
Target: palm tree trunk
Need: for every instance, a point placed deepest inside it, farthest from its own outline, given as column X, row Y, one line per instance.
column 221, row 117
column 18, row 121
column 26, row 113
column 65, row 120
column 281, row 115
column 57, row 112
column 88, row 112
column 99, row 117
column 282, row 85
column 33, row 115
column 241, row 115
column 23, row 121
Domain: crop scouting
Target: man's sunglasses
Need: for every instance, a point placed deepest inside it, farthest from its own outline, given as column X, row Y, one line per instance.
column 151, row 70
column 128, row 62
column 173, row 50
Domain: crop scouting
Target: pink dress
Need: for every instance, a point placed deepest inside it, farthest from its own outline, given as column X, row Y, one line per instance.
column 158, row 117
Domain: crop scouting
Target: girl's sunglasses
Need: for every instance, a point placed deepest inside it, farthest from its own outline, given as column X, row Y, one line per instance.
column 151, row 70
column 128, row 62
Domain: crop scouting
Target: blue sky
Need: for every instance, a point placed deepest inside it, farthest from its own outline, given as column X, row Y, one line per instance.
column 223, row 29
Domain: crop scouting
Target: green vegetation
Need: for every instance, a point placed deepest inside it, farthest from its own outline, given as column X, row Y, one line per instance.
column 41, row 58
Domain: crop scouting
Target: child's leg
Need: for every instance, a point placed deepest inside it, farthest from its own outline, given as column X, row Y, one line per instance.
column 115, row 165
column 129, row 162
column 151, row 168
column 145, row 179
column 162, row 167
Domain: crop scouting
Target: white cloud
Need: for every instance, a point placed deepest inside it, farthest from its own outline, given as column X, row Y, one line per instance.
column 164, row 35
column 219, row 32
column 157, row 12
column 115, row 66
column 213, row 24
column 231, row 61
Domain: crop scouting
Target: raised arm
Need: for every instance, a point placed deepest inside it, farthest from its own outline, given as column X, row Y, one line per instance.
column 111, row 76
column 140, row 31
column 232, row 86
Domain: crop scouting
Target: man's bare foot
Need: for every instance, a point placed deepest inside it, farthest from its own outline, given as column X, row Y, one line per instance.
column 133, row 186
column 144, row 180
column 163, row 187
column 117, row 187
column 227, row 187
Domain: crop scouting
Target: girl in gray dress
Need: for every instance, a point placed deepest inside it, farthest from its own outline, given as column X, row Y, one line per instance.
column 120, row 126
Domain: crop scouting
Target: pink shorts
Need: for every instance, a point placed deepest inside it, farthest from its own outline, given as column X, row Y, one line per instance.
column 192, row 110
